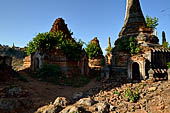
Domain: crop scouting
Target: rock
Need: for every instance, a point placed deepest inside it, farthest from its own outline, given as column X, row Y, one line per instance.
column 86, row 101
column 152, row 88
column 77, row 95
column 60, row 101
column 102, row 107
column 14, row 105
column 73, row 109
column 56, row 107
column 16, row 91
column 112, row 108
column 49, row 109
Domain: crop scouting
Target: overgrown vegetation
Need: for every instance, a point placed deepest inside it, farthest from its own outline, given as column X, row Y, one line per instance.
column 108, row 50
column 130, row 45
column 49, row 73
column 93, row 50
column 132, row 95
column 49, row 41
column 168, row 65
column 102, row 61
column 53, row 74
column 117, row 92
column 166, row 45
column 152, row 22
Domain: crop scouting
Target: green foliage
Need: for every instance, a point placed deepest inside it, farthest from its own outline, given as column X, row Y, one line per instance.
column 132, row 95
column 152, row 22
column 108, row 50
column 165, row 45
column 21, row 78
column 117, row 92
column 93, row 50
column 130, row 45
column 49, row 73
column 49, row 41
column 134, row 47
column 168, row 64
column 102, row 61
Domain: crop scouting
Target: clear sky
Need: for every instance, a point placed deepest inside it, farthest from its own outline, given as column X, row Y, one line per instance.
column 21, row 20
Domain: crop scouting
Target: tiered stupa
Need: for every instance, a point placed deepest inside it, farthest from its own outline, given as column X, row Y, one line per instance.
column 152, row 59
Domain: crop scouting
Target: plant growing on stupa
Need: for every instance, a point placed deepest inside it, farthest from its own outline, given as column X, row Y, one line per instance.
column 129, row 45
column 165, row 45
column 93, row 50
column 152, row 22
column 49, row 41
column 168, row 65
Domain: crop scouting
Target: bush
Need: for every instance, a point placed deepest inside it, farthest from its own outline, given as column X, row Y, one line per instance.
column 49, row 73
column 132, row 95
column 49, row 41
column 165, row 45
column 129, row 45
column 168, row 64
column 117, row 92
column 152, row 22
column 93, row 50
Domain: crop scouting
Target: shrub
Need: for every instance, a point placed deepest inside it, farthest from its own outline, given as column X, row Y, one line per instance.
column 49, row 41
column 132, row 95
column 165, row 45
column 108, row 50
column 93, row 50
column 152, row 22
column 102, row 61
column 117, row 92
column 168, row 64
column 49, row 73
column 129, row 45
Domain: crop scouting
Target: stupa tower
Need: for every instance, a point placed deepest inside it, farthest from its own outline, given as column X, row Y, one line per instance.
column 133, row 19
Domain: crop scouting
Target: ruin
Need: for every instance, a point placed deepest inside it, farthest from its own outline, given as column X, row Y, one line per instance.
column 68, row 67
column 95, row 63
column 152, row 55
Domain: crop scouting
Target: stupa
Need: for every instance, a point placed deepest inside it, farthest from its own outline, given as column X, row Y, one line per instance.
column 151, row 61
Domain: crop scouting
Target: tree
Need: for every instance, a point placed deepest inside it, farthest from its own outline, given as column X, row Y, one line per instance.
column 152, row 22
column 93, row 50
column 165, row 45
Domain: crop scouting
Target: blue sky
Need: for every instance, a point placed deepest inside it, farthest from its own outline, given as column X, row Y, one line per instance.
column 21, row 20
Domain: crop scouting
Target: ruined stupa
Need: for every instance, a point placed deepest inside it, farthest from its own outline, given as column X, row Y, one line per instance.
column 59, row 25
column 151, row 61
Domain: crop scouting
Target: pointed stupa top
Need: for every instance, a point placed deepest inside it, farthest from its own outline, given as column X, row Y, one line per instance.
column 109, row 43
column 133, row 19
column 59, row 25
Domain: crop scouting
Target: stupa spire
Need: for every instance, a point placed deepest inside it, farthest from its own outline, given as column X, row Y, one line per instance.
column 133, row 19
